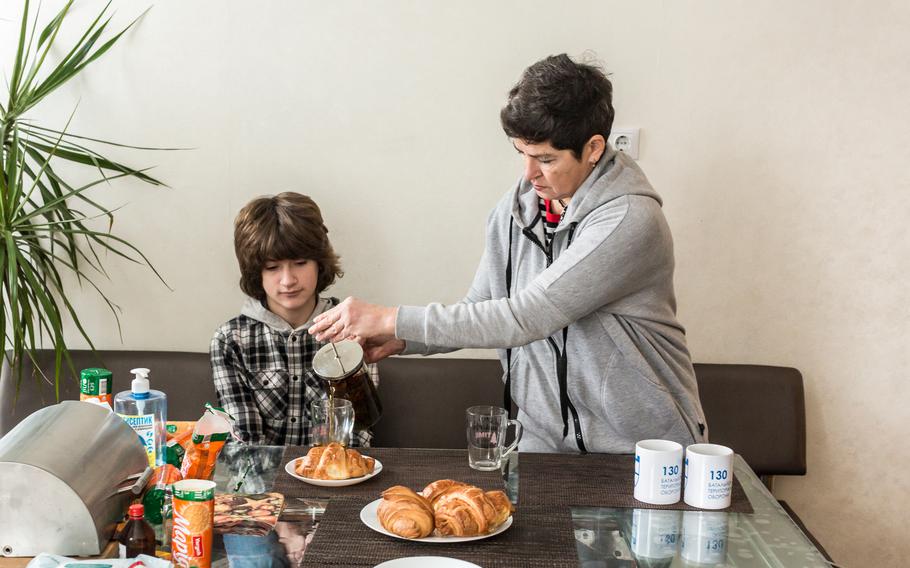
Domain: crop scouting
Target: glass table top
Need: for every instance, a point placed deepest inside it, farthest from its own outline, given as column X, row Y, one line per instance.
column 605, row 537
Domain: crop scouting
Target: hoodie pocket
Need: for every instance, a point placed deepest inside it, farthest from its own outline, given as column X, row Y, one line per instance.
column 270, row 392
column 516, row 365
column 637, row 407
column 515, row 361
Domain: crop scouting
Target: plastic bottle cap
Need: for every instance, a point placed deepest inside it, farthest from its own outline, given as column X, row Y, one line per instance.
column 136, row 511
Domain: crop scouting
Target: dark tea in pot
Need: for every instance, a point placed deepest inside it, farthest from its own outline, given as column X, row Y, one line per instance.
column 341, row 366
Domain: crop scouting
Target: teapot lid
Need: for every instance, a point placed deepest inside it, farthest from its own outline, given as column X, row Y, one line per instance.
column 337, row 360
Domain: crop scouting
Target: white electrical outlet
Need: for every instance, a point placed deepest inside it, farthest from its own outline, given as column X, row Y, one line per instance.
column 625, row 140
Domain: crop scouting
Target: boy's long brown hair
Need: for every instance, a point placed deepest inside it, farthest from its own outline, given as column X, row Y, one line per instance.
column 287, row 226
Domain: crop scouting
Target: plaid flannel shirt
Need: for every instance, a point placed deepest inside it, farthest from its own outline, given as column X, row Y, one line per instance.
column 261, row 370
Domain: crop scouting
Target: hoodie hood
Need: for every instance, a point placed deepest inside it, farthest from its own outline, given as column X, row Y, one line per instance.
column 614, row 176
column 253, row 308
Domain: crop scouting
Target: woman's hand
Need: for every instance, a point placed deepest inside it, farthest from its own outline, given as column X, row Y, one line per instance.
column 369, row 324
column 375, row 351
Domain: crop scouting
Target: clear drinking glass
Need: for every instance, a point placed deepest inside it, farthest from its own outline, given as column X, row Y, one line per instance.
column 332, row 421
column 486, row 429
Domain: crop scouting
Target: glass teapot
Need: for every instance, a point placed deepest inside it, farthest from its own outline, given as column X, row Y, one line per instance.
column 341, row 366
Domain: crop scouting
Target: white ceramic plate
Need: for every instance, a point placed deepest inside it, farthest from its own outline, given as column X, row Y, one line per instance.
column 426, row 562
column 289, row 467
column 369, row 518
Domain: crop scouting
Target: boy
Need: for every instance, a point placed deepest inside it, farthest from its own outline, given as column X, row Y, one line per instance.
column 261, row 359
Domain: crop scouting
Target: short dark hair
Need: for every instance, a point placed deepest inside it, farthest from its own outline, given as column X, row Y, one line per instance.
column 287, row 226
column 561, row 102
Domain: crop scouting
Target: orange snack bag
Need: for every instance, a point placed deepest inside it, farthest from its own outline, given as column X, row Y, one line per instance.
column 209, row 436
column 180, row 430
column 179, row 435
column 194, row 510
column 164, row 475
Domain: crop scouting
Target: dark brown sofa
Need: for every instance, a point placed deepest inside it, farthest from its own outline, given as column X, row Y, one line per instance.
column 185, row 377
column 757, row 410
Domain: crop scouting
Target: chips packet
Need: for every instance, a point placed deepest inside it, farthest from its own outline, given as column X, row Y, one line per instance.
column 155, row 496
column 156, row 491
column 210, row 434
column 178, row 438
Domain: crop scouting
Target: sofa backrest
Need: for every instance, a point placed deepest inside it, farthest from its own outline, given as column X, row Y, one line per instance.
column 185, row 377
column 757, row 410
column 424, row 399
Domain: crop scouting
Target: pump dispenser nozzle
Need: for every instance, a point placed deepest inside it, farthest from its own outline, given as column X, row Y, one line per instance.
column 140, row 384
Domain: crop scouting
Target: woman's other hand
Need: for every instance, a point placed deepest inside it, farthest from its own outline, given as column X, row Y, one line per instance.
column 377, row 349
column 354, row 318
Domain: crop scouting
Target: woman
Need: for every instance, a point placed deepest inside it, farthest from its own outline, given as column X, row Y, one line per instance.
column 575, row 285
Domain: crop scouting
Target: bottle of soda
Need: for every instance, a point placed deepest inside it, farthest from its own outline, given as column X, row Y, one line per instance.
column 138, row 535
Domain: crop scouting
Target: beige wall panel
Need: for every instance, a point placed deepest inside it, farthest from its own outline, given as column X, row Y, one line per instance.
column 777, row 133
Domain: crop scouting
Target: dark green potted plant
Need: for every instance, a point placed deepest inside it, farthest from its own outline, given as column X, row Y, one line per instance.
column 49, row 226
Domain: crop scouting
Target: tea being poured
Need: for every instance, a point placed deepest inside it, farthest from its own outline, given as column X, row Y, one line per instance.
column 342, row 368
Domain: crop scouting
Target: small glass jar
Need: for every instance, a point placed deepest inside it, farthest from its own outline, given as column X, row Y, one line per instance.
column 341, row 366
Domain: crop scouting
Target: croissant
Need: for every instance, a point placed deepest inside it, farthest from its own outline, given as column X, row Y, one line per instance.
column 439, row 488
column 468, row 511
column 334, row 462
column 405, row 513
column 501, row 505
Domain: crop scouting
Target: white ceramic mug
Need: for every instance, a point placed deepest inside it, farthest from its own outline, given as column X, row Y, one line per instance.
column 708, row 476
column 655, row 533
column 704, row 537
column 658, row 471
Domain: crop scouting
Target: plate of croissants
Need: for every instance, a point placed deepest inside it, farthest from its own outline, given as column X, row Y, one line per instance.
column 445, row 511
column 333, row 466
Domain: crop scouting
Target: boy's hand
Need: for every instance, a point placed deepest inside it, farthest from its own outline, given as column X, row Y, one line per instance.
column 355, row 318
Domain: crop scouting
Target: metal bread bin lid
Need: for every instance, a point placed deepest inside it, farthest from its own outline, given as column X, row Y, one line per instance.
column 331, row 367
column 66, row 474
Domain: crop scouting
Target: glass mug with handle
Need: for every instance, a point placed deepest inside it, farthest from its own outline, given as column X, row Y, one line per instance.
column 486, row 428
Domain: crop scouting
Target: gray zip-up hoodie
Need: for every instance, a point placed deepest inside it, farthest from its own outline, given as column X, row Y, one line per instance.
column 609, row 283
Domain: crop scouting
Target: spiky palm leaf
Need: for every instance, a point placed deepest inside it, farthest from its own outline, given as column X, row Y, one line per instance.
column 45, row 221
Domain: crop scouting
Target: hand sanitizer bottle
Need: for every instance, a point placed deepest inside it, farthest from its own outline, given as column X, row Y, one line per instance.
column 145, row 411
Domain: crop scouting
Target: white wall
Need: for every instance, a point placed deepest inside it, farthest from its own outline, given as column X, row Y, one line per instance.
column 776, row 131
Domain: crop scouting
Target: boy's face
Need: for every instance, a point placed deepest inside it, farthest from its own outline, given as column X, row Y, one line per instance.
column 290, row 288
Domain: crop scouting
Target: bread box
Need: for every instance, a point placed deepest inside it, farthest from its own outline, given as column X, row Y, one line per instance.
column 67, row 474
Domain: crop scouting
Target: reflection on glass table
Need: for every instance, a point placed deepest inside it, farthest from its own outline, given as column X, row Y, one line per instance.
column 252, row 469
column 605, row 537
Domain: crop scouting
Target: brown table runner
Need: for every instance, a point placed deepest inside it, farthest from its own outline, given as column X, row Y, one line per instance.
column 540, row 537
column 593, row 480
column 413, row 468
